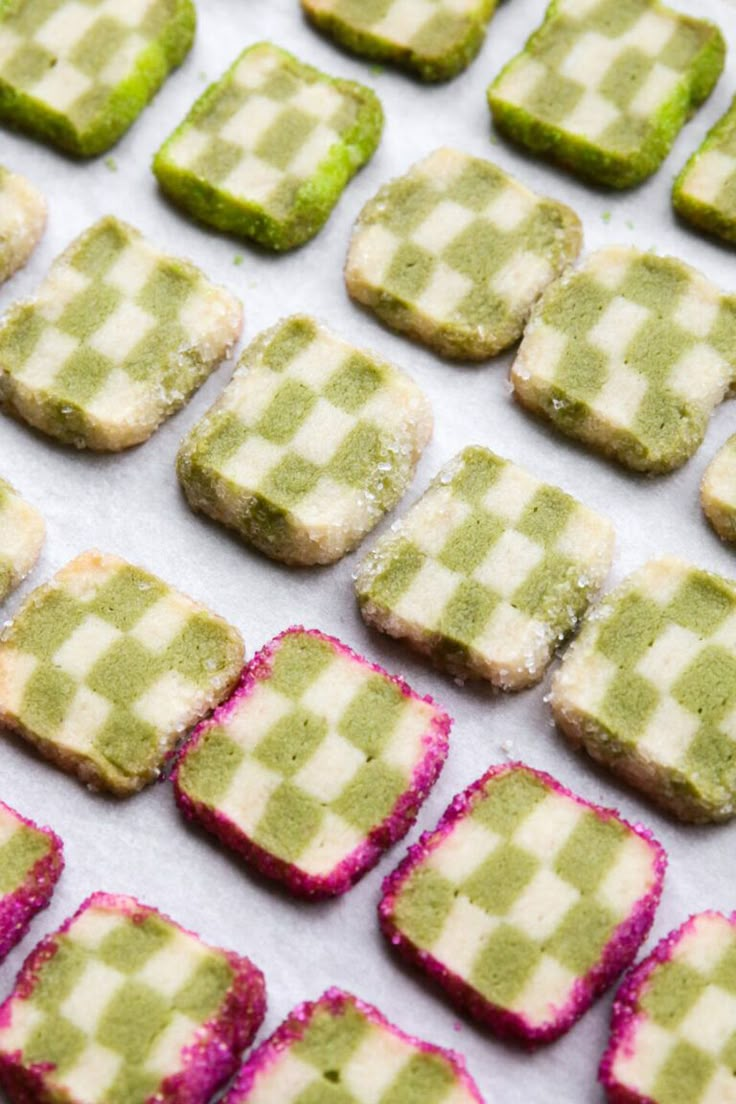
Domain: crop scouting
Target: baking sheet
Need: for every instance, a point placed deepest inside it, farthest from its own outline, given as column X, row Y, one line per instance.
column 130, row 504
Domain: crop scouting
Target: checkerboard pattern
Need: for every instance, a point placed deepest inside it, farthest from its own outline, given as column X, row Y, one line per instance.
column 316, row 765
column 266, row 152
column 116, row 339
column 77, row 73
column 718, row 491
column 22, row 532
column 488, row 571
column 121, row 1001
column 525, row 902
column 30, row 865
column 604, row 87
column 309, row 445
column 22, row 221
column 649, row 688
column 674, row 1022
column 630, row 354
column 105, row 667
column 705, row 191
column 455, row 254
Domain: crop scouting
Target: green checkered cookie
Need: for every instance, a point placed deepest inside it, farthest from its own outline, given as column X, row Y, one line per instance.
column 308, row 446
column 488, row 571
column 705, row 191
column 116, row 339
column 105, row 667
column 266, row 152
column 604, row 86
column 434, row 39
column 21, row 538
column 22, row 221
column 630, row 354
column 718, row 491
column 456, row 252
column 77, row 73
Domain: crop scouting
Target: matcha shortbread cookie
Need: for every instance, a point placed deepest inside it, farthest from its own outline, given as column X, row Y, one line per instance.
column 455, row 253
column 308, row 446
column 31, row 862
column 77, row 73
column 603, row 87
column 339, row 1048
column 22, row 533
column 116, row 339
column 525, row 902
column 123, row 1005
column 630, row 354
column 673, row 1029
column 718, row 491
column 488, row 571
column 104, row 668
column 317, row 764
column 649, row 688
column 705, row 191
column 267, row 151
column 433, row 39
column 22, row 221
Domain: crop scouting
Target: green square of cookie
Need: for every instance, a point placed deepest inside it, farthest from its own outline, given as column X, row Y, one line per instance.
column 21, row 538
column 705, row 191
column 22, row 221
column 718, row 491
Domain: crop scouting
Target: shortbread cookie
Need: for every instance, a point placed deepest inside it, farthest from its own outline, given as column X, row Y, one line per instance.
column 674, row 1020
column 317, row 764
column 705, row 191
column 340, row 1049
column 117, row 338
column 630, row 354
column 604, row 87
column 22, row 220
column 22, row 533
column 78, row 74
column 718, row 491
column 266, row 152
column 123, row 1005
column 105, row 667
column 31, row 862
column 525, row 902
column 455, row 254
column 488, row 571
column 433, row 39
column 308, row 446
column 649, row 688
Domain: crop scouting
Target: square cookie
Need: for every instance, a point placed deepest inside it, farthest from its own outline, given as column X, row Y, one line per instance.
column 31, row 862
column 267, row 151
column 631, row 353
column 488, row 571
column 649, row 688
column 455, row 254
column 22, row 220
column 116, row 339
column 78, row 74
column 705, row 191
column 525, row 902
column 317, row 764
column 604, row 87
column 718, row 491
column 122, row 1004
column 673, row 1030
column 339, row 1048
column 22, row 533
column 309, row 445
column 104, row 668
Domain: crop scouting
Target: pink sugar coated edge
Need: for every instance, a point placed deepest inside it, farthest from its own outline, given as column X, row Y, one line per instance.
column 18, row 908
column 355, row 865
column 209, row 1062
column 295, row 1024
column 625, row 1013
column 618, row 954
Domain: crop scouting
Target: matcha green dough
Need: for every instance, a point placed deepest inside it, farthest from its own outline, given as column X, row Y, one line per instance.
column 603, row 87
column 718, row 491
column 266, row 152
column 22, row 221
column 22, row 532
column 705, row 191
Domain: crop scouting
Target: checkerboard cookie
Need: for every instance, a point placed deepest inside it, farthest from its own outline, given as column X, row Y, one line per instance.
column 317, row 764
column 674, row 1020
column 309, row 445
column 705, row 191
column 78, row 74
column 630, row 354
column 718, row 491
column 31, row 862
column 116, row 339
column 105, row 667
column 340, row 1048
column 649, row 688
column 22, row 220
column 488, row 571
column 525, row 902
column 455, row 253
column 22, row 533
column 267, row 151
column 604, row 87
column 122, row 1004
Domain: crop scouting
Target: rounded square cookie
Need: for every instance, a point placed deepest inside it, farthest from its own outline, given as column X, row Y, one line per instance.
column 22, row 221
column 718, row 491
column 31, row 862
column 705, row 191
column 22, row 533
